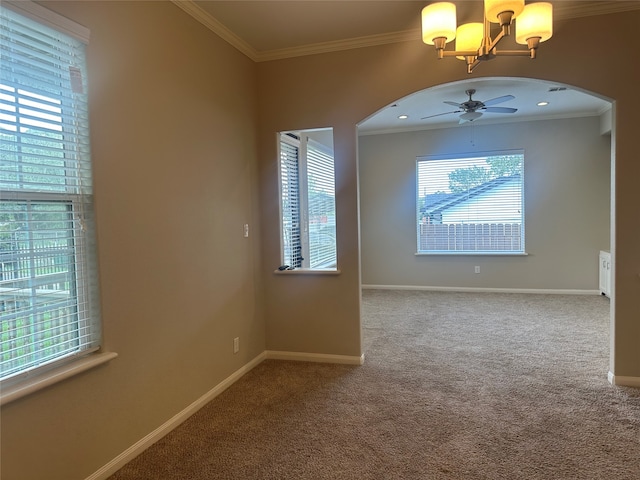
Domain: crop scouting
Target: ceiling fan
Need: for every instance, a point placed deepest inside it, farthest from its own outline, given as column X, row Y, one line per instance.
column 470, row 108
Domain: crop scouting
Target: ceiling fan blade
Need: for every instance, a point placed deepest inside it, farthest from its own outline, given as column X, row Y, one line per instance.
column 500, row 109
column 469, row 116
column 453, row 104
column 438, row 114
column 496, row 100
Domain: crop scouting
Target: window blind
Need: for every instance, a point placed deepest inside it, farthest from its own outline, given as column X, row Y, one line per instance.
column 322, row 221
column 471, row 205
column 290, row 198
column 49, row 307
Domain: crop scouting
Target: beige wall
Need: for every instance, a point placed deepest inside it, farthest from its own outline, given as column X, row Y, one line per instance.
column 173, row 138
column 177, row 118
column 321, row 314
column 567, row 196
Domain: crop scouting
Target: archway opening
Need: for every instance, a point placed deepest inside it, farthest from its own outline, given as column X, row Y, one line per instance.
column 566, row 186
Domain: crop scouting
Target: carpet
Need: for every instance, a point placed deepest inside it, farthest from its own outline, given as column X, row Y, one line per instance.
column 454, row 386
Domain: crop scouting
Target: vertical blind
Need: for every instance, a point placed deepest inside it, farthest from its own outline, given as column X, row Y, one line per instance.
column 471, row 205
column 49, row 307
column 290, row 197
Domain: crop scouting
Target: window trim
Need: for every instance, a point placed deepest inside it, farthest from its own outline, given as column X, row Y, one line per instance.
column 308, row 271
column 469, row 156
column 30, row 383
column 46, row 17
column 301, row 141
column 32, row 379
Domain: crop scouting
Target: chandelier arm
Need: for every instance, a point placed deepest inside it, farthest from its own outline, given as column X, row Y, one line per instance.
column 461, row 53
column 471, row 66
column 516, row 53
column 494, row 42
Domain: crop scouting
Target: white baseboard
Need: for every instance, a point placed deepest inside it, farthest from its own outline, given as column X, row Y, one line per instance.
column 545, row 291
column 624, row 381
column 141, row 445
column 315, row 357
column 144, row 443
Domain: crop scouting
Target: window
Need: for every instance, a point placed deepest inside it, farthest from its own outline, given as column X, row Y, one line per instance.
column 307, row 200
column 471, row 205
column 49, row 306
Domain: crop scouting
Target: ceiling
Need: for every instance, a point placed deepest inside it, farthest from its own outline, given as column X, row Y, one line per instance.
column 563, row 102
column 267, row 30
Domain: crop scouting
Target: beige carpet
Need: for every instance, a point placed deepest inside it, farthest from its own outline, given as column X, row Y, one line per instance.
column 454, row 386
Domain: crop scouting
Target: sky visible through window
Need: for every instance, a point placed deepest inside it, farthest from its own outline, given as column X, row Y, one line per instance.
column 26, row 114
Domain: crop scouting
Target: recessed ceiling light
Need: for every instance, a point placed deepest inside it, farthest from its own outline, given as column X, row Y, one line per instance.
column 542, row 104
column 403, row 117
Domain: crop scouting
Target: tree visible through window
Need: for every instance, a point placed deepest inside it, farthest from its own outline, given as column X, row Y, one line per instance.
column 471, row 205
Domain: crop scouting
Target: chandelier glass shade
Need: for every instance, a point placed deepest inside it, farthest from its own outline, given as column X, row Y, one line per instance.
column 474, row 44
column 438, row 21
column 468, row 37
column 536, row 20
column 494, row 8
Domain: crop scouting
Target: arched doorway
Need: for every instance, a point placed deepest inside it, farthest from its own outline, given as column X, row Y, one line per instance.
column 567, row 186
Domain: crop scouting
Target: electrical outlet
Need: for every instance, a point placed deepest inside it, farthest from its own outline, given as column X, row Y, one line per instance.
column 236, row 345
column 477, row 269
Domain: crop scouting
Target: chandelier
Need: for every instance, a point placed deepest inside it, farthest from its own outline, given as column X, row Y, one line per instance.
column 473, row 40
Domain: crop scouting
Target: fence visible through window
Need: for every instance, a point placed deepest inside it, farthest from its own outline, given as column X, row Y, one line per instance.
column 38, row 299
column 471, row 237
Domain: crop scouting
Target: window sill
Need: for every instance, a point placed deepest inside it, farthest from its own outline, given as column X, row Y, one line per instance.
column 308, row 271
column 50, row 377
column 473, row 254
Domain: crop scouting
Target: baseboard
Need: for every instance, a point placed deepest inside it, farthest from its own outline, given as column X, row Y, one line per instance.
column 621, row 381
column 144, row 443
column 315, row 357
column 141, row 445
column 544, row 291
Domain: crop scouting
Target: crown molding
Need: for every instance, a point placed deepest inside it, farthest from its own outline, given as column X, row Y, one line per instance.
column 216, row 27
column 568, row 10
column 190, row 7
column 338, row 45
column 562, row 11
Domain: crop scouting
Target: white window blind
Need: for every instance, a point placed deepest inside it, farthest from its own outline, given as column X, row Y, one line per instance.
column 471, row 205
column 307, row 191
column 322, row 221
column 49, row 306
column 290, row 197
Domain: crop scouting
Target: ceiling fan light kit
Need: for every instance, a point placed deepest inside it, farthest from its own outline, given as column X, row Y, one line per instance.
column 473, row 40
